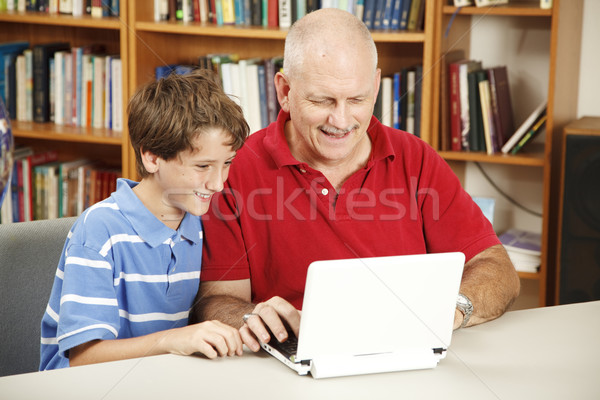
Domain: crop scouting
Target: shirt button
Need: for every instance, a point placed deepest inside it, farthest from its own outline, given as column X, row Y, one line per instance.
column 302, row 170
column 324, row 191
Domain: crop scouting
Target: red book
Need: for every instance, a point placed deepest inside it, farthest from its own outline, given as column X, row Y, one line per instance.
column 454, row 102
column 273, row 13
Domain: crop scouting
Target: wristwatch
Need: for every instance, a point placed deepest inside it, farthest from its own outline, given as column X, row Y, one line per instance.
column 465, row 306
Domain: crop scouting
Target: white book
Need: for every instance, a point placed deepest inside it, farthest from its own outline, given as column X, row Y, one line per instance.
column 21, row 88
column 546, row 4
column 285, row 13
column 98, row 92
column 486, row 115
column 524, row 128
column 11, row 5
column 243, row 85
column 411, row 77
column 28, row 84
column 53, row 6
column 188, row 12
column 77, row 8
column 117, row 91
column 236, row 89
column 203, row 10
column 387, row 101
column 65, row 6
column 59, row 87
column 21, row 5
column 488, row 3
column 462, row 3
column 227, row 82
column 253, row 98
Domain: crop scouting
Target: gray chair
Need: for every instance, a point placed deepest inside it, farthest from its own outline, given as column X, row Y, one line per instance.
column 29, row 254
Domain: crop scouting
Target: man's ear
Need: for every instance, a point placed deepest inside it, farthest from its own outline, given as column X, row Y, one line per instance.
column 150, row 161
column 282, row 86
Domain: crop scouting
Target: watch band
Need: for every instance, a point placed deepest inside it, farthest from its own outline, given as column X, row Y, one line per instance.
column 465, row 306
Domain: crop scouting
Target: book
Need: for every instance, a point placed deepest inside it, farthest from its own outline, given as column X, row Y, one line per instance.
column 524, row 128
column 9, row 48
column 445, row 60
column 522, row 241
column 386, row 101
column 501, row 104
column 42, row 54
column 489, row 3
column 476, row 133
column 537, row 127
column 117, row 108
column 486, row 116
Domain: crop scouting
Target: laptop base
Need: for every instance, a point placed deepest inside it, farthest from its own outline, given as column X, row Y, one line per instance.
column 327, row 367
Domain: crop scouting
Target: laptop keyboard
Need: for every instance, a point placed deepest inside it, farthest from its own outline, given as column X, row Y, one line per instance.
column 287, row 348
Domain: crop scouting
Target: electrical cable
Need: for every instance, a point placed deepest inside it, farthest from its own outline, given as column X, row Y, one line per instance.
column 506, row 196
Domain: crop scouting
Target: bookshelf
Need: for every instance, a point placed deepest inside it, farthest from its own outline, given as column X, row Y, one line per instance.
column 159, row 43
column 72, row 142
column 539, row 47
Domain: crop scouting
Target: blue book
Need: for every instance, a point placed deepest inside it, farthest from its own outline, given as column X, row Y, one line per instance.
column 164, row 70
column 395, row 24
column 9, row 48
column 262, row 94
column 386, row 21
column 404, row 11
column 397, row 99
column 240, row 16
column 369, row 13
column 378, row 15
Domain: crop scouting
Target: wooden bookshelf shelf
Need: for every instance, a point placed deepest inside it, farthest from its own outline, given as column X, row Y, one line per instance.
column 61, row 20
column 64, row 133
column 529, row 160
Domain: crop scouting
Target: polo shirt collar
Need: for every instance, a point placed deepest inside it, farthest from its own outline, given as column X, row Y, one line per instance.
column 146, row 225
column 277, row 146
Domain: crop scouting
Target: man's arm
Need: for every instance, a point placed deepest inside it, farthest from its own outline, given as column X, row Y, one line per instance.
column 229, row 301
column 491, row 282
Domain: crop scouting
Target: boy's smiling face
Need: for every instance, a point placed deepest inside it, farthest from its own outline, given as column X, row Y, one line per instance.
column 188, row 182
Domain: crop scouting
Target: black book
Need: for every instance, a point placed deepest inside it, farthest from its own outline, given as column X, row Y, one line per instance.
column 42, row 54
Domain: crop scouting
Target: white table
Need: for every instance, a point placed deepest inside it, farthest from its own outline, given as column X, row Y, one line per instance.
column 544, row 353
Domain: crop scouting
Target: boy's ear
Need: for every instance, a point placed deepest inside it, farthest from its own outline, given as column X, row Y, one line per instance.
column 150, row 161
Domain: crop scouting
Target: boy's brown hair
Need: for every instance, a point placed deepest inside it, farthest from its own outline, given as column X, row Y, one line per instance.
column 166, row 115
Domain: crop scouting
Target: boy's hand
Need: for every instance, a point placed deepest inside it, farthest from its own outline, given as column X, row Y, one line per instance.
column 211, row 338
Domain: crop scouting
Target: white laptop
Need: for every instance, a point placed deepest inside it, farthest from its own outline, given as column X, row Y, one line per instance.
column 380, row 314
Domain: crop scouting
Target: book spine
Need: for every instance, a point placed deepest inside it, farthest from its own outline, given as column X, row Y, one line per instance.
column 455, row 131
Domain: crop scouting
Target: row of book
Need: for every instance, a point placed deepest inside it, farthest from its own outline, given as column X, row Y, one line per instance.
column 249, row 82
column 41, row 187
column 78, row 86
column 398, row 103
column 77, row 8
column 480, row 107
column 524, row 249
column 376, row 14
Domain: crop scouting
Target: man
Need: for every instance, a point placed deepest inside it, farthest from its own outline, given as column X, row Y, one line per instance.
column 328, row 181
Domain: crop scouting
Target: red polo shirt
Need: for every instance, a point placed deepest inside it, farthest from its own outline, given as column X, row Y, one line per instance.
column 277, row 215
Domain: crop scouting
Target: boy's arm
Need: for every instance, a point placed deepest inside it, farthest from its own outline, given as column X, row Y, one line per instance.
column 211, row 338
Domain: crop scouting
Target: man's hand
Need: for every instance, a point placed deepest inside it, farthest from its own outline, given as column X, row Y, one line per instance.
column 276, row 315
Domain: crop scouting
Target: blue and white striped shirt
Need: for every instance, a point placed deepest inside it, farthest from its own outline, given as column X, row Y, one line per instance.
column 123, row 273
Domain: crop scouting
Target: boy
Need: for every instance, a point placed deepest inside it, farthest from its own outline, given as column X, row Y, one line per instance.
column 130, row 269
